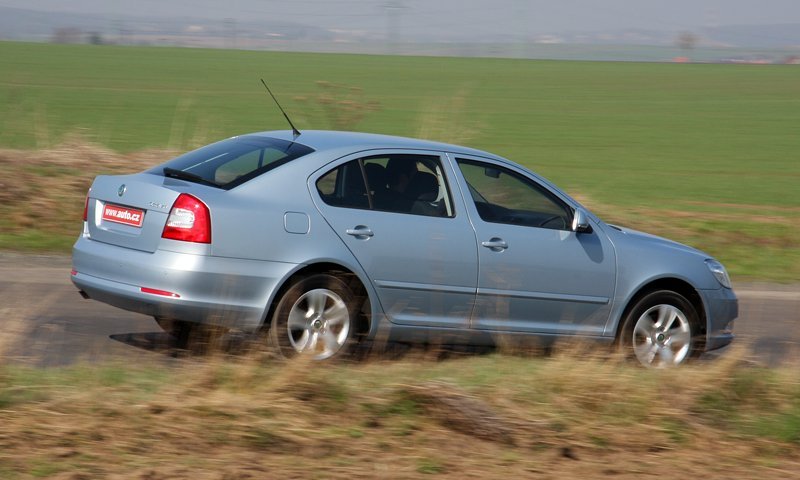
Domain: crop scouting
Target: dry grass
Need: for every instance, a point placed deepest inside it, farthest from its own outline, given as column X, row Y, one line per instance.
column 42, row 195
column 565, row 416
column 43, row 190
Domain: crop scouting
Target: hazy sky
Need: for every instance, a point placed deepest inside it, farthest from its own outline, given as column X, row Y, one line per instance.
column 480, row 16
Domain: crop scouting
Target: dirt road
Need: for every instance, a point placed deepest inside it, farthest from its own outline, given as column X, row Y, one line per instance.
column 46, row 322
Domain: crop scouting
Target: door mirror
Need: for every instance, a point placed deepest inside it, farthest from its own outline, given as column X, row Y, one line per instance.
column 491, row 172
column 580, row 222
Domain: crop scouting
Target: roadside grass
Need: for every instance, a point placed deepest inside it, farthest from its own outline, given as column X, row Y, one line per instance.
column 40, row 211
column 42, row 192
column 578, row 412
column 750, row 244
column 704, row 154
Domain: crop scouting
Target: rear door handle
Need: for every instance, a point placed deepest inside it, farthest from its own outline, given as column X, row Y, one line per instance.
column 495, row 244
column 361, row 232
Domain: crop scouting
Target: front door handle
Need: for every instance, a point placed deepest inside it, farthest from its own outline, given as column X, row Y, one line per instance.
column 495, row 244
column 361, row 232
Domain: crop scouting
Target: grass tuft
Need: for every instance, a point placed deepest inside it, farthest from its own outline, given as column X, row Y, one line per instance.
column 494, row 415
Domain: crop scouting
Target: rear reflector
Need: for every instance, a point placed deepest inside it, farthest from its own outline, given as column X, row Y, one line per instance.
column 189, row 220
column 73, row 272
column 155, row 291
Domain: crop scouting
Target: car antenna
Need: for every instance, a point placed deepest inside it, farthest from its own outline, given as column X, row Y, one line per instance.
column 295, row 132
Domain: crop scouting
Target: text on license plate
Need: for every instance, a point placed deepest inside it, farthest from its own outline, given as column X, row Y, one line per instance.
column 124, row 215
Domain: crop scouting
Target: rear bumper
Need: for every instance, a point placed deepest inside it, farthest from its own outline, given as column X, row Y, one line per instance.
column 214, row 290
column 722, row 308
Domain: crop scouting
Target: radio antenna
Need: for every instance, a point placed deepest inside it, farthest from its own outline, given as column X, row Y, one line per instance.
column 295, row 132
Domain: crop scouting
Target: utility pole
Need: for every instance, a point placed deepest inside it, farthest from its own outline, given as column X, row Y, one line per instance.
column 230, row 33
column 393, row 9
column 120, row 27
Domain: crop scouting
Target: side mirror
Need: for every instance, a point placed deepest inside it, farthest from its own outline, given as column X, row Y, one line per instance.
column 580, row 222
column 491, row 172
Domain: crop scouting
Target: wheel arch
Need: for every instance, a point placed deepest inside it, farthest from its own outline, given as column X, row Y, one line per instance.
column 364, row 323
column 673, row 284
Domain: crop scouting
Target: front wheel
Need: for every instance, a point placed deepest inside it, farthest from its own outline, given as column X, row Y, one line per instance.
column 316, row 316
column 660, row 330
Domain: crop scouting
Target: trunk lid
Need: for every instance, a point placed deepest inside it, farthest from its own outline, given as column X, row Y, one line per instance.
column 130, row 210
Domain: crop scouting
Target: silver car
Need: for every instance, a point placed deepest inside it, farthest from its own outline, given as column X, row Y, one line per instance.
column 328, row 239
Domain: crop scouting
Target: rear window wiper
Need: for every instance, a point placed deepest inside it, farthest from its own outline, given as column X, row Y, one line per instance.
column 182, row 175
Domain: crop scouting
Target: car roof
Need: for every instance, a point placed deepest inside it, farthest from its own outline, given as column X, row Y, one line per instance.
column 321, row 140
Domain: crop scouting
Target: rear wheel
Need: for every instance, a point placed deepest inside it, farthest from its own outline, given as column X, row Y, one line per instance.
column 659, row 331
column 316, row 316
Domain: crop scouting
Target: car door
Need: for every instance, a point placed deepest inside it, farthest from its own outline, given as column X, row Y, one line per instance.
column 394, row 210
column 535, row 274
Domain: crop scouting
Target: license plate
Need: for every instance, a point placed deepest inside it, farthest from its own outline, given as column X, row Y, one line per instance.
column 123, row 215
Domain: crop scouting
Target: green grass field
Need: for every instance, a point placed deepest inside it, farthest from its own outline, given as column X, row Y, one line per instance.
column 705, row 154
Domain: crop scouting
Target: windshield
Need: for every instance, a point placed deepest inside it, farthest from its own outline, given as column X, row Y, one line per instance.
column 232, row 162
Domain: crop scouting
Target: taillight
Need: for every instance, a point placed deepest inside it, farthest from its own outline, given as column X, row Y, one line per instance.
column 189, row 220
column 86, row 206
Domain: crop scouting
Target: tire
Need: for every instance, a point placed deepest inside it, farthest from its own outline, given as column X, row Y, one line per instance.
column 661, row 330
column 317, row 316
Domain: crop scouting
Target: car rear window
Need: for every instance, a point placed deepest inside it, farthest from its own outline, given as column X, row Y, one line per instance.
column 232, row 162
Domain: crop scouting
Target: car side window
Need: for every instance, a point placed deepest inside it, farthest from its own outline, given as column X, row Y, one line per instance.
column 344, row 187
column 504, row 196
column 399, row 183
